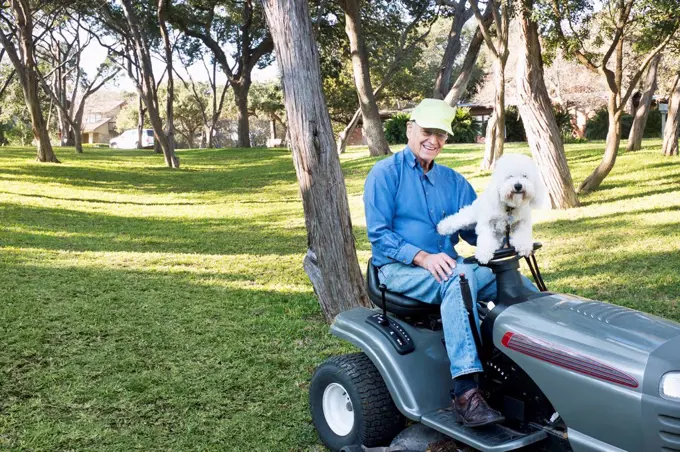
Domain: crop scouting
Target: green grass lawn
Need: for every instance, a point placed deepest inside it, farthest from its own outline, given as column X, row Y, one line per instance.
column 148, row 309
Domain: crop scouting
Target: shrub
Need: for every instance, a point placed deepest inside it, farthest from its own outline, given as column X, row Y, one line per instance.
column 514, row 127
column 653, row 126
column 465, row 129
column 395, row 128
column 598, row 125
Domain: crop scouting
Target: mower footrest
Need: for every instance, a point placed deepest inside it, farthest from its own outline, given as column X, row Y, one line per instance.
column 490, row 438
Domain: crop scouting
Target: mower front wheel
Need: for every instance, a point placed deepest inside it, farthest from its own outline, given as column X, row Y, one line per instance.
column 351, row 405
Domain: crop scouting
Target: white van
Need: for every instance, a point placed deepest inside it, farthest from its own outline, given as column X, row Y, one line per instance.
column 128, row 139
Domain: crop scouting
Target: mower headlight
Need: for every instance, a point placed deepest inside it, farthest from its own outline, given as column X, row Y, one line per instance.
column 670, row 386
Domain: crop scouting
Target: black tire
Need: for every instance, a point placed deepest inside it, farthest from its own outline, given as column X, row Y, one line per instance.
column 376, row 420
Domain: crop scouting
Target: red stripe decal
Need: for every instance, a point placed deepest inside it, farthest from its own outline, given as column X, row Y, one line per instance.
column 567, row 359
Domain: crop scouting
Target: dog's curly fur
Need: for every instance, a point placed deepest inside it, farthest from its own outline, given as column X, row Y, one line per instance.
column 515, row 189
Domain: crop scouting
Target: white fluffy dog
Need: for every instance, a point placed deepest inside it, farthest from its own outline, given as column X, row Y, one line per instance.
column 515, row 189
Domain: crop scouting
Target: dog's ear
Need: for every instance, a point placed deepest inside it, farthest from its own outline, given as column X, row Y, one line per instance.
column 541, row 198
column 493, row 192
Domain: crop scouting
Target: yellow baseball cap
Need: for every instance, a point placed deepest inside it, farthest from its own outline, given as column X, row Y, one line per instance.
column 434, row 114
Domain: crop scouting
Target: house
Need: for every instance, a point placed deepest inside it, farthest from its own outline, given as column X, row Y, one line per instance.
column 99, row 117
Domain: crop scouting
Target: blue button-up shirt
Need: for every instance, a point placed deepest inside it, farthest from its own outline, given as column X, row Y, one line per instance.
column 403, row 206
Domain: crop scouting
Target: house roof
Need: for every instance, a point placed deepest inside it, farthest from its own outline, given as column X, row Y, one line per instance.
column 103, row 102
column 92, row 126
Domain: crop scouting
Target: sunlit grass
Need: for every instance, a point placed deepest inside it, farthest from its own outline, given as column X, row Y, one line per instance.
column 150, row 309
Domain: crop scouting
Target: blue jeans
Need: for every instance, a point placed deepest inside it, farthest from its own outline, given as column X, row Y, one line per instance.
column 417, row 282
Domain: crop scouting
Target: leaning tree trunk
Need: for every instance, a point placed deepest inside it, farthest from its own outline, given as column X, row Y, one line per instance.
column 372, row 125
column 331, row 260
column 495, row 132
column 443, row 80
column 537, row 115
column 241, row 88
column 670, row 136
column 613, row 141
column 343, row 136
column 637, row 130
column 460, row 86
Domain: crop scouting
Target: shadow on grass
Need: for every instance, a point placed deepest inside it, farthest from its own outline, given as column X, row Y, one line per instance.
column 63, row 229
column 110, row 359
column 239, row 170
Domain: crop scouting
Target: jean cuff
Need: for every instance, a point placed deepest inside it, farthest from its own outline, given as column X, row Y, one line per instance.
column 472, row 370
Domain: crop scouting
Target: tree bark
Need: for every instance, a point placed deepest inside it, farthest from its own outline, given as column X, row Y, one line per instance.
column 171, row 159
column 443, row 81
column 495, row 132
column 612, row 148
column 499, row 51
column 456, row 92
column 23, row 60
column 642, row 113
column 241, row 97
column 372, row 125
column 615, row 111
column 537, row 115
column 331, row 259
column 672, row 130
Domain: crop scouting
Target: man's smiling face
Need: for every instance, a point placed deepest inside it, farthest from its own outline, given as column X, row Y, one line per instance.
column 426, row 144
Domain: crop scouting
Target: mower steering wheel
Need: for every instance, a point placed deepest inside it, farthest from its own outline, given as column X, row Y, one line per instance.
column 501, row 253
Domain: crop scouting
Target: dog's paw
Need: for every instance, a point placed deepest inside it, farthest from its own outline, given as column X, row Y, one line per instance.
column 524, row 249
column 447, row 226
column 483, row 256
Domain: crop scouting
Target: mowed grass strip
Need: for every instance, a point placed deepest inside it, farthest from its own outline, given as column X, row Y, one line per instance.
column 150, row 309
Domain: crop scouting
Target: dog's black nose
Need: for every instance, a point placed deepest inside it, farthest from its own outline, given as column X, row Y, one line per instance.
column 518, row 187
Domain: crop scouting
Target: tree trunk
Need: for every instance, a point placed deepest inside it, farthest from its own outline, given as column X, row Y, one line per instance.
column 613, row 141
column 78, row 138
column 347, row 132
column 241, row 97
column 331, row 260
column 443, row 80
column 372, row 125
column 140, row 121
column 495, row 131
column 670, row 136
column 26, row 70
column 171, row 159
column 537, row 115
column 460, row 86
column 642, row 112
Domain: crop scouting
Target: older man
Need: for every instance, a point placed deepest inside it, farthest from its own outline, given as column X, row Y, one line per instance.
column 405, row 196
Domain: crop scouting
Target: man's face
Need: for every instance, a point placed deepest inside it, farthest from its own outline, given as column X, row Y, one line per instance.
column 426, row 144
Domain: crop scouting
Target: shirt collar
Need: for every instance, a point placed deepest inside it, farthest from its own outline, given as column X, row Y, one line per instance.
column 412, row 162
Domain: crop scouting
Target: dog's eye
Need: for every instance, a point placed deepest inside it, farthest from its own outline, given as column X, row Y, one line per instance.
column 525, row 176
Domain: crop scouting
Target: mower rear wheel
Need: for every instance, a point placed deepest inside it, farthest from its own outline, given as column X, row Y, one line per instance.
column 351, row 405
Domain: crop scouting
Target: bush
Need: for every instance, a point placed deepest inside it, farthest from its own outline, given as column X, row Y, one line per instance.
column 514, row 127
column 598, row 125
column 563, row 119
column 395, row 128
column 465, row 129
column 653, row 126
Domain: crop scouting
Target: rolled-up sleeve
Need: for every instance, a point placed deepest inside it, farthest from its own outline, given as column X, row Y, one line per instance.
column 379, row 204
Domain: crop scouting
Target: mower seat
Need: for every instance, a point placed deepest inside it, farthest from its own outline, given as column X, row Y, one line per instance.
column 396, row 303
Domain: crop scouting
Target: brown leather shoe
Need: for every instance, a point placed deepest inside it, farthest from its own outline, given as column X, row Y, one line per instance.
column 473, row 411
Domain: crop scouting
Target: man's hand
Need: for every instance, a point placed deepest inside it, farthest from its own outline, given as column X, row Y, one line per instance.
column 441, row 265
